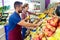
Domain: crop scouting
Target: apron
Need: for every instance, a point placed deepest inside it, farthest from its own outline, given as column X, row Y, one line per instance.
column 15, row 34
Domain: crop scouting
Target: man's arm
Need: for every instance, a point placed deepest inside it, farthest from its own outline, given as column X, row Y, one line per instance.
column 26, row 24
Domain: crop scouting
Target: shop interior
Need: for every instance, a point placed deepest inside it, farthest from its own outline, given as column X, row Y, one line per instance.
column 45, row 9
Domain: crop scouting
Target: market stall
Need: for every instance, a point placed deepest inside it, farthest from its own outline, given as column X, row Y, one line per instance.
column 48, row 30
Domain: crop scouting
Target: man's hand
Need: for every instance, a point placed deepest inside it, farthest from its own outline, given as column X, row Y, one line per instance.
column 26, row 24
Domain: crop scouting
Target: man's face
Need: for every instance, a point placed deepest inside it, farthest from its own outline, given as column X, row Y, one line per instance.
column 20, row 9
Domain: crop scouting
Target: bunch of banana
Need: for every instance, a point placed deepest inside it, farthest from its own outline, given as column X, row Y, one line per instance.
column 41, row 15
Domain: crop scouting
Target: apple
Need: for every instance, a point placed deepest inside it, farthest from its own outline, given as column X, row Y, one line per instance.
column 50, row 27
column 48, row 32
column 53, row 21
column 59, row 24
column 37, row 37
column 48, row 21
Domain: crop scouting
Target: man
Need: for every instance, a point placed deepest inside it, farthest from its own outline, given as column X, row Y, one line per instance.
column 15, row 23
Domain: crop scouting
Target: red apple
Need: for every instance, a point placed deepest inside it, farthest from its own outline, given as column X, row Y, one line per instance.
column 48, row 32
column 54, row 21
column 48, row 21
column 50, row 27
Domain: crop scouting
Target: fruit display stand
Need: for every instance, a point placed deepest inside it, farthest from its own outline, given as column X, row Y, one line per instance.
column 35, row 32
column 49, row 29
column 46, row 31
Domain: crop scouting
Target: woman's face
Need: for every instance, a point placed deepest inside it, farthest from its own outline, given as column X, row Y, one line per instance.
column 26, row 8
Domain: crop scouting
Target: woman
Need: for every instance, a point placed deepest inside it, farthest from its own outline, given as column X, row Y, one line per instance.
column 25, row 11
column 24, row 14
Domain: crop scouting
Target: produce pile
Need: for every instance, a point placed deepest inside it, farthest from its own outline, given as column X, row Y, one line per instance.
column 48, row 30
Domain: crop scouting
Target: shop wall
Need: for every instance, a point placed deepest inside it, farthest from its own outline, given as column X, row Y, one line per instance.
column 42, row 5
column 51, row 1
column 47, row 3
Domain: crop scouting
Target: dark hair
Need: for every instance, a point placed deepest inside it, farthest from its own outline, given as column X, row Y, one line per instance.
column 25, row 5
column 17, row 4
column 58, row 11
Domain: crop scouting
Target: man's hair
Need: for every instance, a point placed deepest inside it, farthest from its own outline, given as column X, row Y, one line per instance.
column 25, row 5
column 17, row 4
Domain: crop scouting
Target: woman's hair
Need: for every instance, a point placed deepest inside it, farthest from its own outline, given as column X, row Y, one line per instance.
column 58, row 11
column 25, row 5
